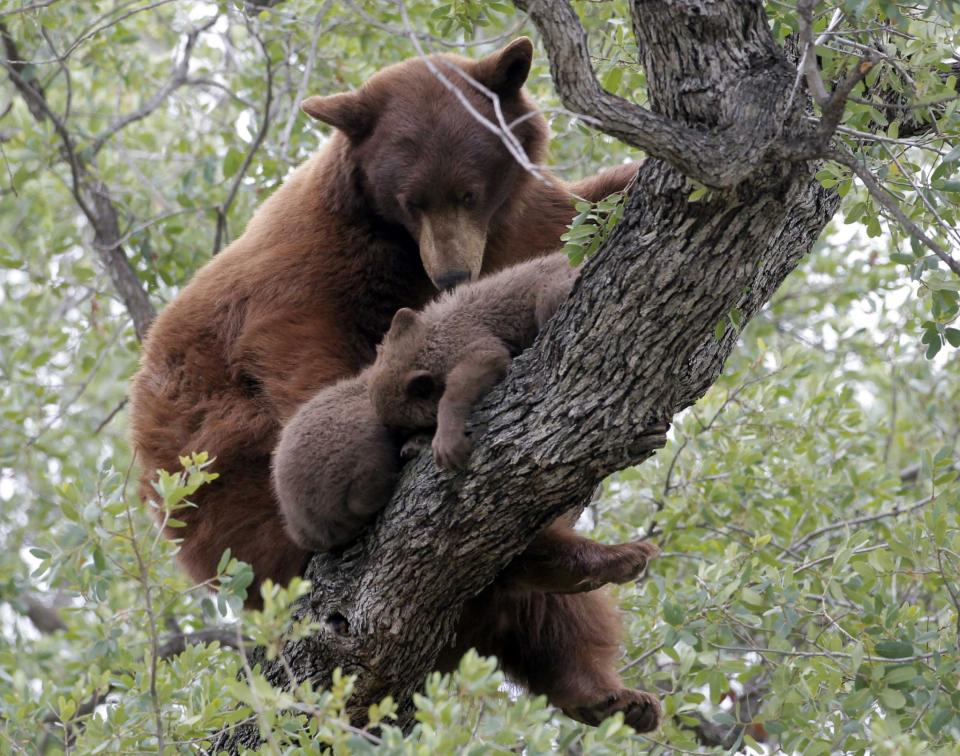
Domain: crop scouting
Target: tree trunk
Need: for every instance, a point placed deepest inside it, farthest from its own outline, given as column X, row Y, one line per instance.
column 634, row 345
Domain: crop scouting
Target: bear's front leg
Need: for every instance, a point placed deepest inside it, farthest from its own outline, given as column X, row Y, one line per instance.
column 484, row 365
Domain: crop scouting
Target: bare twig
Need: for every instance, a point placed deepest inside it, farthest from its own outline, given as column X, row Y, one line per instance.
column 93, row 29
column 81, row 389
column 954, row 597
column 27, row 8
column 68, row 81
column 397, row 32
column 895, row 512
column 947, row 228
column 113, row 413
column 200, row 81
column 90, row 194
column 640, row 659
column 222, row 210
column 176, row 643
column 500, row 129
column 305, row 78
column 888, row 203
column 145, row 584
column 178, row 78
column 820, row 654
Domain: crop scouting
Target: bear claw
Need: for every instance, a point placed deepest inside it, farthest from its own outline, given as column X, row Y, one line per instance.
column 451, row 451
column 627, row 564
column 414, row 445
column 641, row 710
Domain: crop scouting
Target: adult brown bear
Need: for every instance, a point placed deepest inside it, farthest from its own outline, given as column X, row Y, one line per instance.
column 410, row 195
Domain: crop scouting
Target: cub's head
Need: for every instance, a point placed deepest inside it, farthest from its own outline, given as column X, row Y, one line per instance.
column 426, row 162
column 404, row 390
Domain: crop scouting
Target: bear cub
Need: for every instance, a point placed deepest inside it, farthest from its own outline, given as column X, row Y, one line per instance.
column 434, row 366
column 335, row 466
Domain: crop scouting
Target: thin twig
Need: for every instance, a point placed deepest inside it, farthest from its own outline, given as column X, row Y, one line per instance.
column 895, row 512
column 819, row 654
column 507, row 137
column 881, row 196
column 396, row 32
column 27, row 8
column 92, row 30
column 304, row 79
column 223, row 209
column 177, row 79
column 113, row 413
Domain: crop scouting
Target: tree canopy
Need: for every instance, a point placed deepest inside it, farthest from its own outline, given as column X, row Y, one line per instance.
column 808, row 594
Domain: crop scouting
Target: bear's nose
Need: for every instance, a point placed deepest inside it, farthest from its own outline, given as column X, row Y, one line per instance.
column 454, row 278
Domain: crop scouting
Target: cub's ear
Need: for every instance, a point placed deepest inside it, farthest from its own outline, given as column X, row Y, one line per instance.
column 403, row 320
column 505, row 70
column 420, row 384
column 348, row 112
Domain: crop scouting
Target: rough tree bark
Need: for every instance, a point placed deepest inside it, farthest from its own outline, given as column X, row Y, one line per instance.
column 634, row 344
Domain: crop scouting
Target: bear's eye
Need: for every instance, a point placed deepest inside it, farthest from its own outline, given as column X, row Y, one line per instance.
column 421, row 386
column 468, row 200
column 411, row 205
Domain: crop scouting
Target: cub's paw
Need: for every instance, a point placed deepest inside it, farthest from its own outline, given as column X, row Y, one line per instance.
column 414, row 445
column 641, row 710
column 451, row 450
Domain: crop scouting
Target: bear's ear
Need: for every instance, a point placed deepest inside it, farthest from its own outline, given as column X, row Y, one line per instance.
column 505, row 70
column 403, row 320
column 348, row 112
column 419, row 384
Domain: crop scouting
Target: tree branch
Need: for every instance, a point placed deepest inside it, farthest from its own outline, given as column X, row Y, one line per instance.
column 176, row 643
column 44, row 616
column 222, row 210
column 178, row 77
column 27, row 8
column 884, row 199
column 91, row 195
column 831, row 105
column 718, row 155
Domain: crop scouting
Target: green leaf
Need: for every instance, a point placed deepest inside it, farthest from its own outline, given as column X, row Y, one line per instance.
column 898, row 675
column 673, row 613
column 612, row 78
column 894, row 649
column 892, row 699
column 719, row 330
column 232, row 162
column 947, row 186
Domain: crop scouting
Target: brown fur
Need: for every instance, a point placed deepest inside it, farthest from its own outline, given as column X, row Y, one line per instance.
column 433, row 366
column 563, row 646
column 553, row 633
column 431, row 369
column 300, row 300
column 335, row 467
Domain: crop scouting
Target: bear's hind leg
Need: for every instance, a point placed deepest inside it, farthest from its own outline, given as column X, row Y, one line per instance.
column 565, row 646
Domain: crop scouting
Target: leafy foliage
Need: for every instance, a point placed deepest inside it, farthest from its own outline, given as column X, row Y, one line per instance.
column 807, row 507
